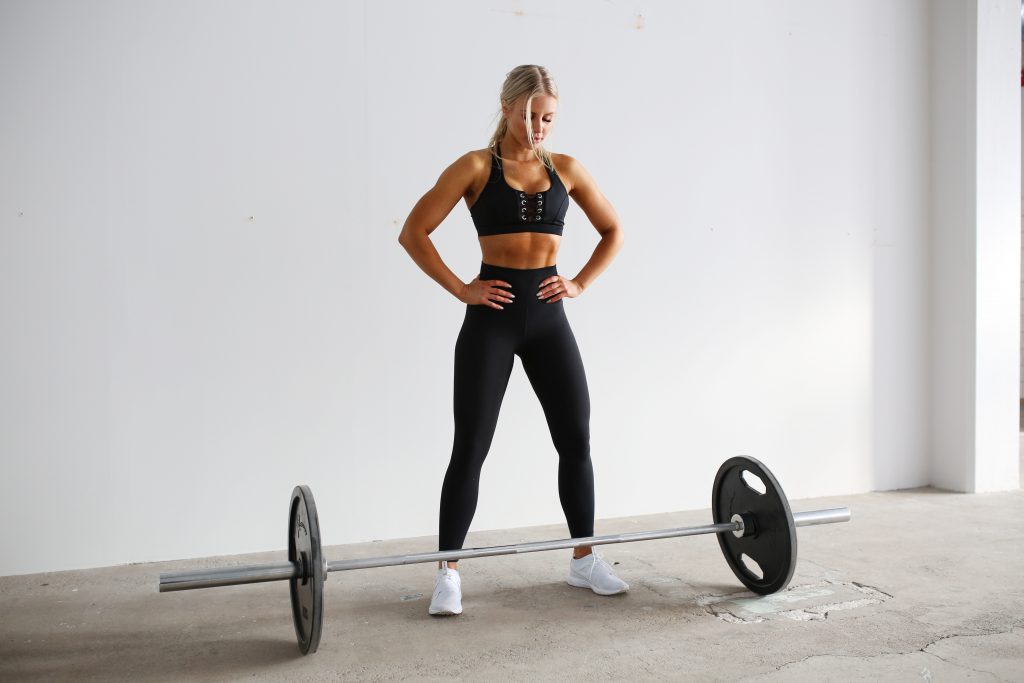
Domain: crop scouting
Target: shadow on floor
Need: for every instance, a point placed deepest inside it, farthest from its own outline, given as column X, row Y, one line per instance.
column 141, row 655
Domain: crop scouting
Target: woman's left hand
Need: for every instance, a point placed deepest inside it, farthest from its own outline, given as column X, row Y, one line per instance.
column 558, row 287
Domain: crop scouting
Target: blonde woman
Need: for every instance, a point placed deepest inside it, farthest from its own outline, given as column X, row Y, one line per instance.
column 517, row 193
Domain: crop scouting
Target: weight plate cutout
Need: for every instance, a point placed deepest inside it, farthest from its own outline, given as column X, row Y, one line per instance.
column 772, row 546
column 307, row 589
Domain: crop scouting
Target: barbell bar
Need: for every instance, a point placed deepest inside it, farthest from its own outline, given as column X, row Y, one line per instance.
column 282, row 571
column 751, row 524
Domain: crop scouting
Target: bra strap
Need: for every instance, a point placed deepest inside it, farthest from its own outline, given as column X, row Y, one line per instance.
column 495, row 162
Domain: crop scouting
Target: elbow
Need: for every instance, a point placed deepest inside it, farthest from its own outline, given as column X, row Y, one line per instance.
column 408, row 235
column 412, row 239
column 614, row 235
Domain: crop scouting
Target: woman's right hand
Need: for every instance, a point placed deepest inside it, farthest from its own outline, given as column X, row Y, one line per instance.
column 486, row 292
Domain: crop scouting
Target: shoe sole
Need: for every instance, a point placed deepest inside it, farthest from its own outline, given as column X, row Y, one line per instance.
column 444, row 613
column 582, row 583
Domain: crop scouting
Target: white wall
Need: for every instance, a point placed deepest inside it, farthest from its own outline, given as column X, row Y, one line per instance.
column 204, row 302
column 997, row 460
column 975, row 315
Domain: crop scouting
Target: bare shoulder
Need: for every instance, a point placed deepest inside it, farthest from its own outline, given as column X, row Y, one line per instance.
column 456, row 182
column 583, row 189
column 574, row 176
column 464, row 172
column 471, row 161
column 478, row 158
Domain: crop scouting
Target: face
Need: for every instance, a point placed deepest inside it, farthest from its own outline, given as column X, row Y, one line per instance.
column 542, row 117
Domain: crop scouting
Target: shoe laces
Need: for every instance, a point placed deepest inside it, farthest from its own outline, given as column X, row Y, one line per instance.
column 449, row 575
column 597, row 559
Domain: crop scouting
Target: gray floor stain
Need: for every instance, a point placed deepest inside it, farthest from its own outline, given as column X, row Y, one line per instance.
column 807, row 602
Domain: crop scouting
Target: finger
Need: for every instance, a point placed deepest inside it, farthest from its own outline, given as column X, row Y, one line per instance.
column 502, row 294
column 499, row 283
column 493, row 299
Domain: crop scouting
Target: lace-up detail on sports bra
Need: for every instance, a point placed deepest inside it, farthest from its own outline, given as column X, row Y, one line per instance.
column 502, row 209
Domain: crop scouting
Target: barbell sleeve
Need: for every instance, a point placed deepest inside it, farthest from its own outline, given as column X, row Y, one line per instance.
column 830, row 516
column 227, row 576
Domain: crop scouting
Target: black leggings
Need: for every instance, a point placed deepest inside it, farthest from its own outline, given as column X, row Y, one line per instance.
column 539, row 333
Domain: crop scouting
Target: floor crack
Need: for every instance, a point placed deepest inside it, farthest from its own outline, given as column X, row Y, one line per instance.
column 923, row 650
column 983, row 634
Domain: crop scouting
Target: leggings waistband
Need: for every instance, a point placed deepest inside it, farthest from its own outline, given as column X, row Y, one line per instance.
column 525, row 282
column 491, row 271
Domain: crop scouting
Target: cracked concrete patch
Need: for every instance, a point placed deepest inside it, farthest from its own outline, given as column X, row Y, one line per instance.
column 990, row 656
column 913, row 666
column 808, row 602
column 997, row 654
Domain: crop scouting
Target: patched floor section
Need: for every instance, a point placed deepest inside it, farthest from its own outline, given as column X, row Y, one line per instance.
column 809, row 602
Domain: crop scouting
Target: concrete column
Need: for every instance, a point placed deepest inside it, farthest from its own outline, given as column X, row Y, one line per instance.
column 976, row 247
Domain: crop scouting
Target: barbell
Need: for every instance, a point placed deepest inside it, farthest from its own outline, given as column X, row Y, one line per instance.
column 756, row 531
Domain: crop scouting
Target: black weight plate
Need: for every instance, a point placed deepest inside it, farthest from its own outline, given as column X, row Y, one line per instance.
column 773, row 544
column 308, row 589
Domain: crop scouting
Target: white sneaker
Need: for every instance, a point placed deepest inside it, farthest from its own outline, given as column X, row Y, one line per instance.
column 590, row 571
column 447, row 598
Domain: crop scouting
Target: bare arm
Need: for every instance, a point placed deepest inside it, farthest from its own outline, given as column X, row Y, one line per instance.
column 430, row 210
column 427, row 214
column 601, row 214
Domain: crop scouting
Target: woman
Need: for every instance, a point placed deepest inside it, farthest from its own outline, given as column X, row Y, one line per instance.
column 517, row 193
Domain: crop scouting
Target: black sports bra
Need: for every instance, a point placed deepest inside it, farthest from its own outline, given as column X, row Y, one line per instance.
column 502, row 209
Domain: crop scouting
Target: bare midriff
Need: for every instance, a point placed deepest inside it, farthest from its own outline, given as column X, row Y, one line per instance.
column 520, row 250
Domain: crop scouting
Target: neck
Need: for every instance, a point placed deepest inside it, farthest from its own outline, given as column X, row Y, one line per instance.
column 513, row 151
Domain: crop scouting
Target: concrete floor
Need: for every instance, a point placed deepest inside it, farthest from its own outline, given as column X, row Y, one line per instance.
column 922, row 585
